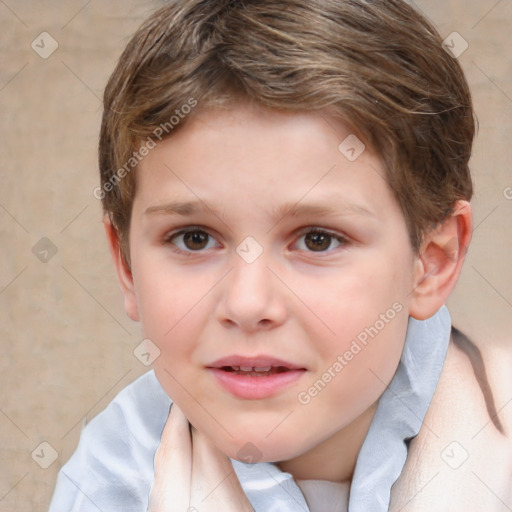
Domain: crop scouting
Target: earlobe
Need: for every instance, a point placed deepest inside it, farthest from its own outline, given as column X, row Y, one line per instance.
column 439, row 262
column 123, row 270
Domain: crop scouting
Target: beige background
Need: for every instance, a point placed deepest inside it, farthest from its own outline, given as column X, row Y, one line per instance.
column 66, row 343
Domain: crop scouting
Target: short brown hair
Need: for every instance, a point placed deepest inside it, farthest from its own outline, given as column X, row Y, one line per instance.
column 377, row 64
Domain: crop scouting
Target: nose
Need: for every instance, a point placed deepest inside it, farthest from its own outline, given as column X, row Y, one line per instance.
column 253, row 298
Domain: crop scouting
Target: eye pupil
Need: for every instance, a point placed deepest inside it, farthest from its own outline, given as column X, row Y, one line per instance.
column 320, row 241
column 195, row 238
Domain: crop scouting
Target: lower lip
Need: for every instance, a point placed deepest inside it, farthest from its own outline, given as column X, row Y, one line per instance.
column 256, row 388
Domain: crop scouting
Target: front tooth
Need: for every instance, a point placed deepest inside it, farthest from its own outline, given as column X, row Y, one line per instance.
column 262, row 368
column 246, row 368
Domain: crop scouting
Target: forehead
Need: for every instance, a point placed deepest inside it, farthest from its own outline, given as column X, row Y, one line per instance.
column 252, row 155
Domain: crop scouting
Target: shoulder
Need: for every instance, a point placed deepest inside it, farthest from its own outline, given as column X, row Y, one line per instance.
column 473, row 392
column 112, row 468
column 462, row 457
column 143, row 406
column 136, row 414
column 481, row 378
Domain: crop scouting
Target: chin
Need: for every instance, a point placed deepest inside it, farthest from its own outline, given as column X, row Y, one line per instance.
column 258, row 450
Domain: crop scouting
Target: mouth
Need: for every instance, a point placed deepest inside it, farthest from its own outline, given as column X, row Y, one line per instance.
column 255, row 378
column 254, row 371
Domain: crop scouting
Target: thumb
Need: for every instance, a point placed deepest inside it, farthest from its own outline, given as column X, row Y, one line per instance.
column 215, row 484
column 170, row 491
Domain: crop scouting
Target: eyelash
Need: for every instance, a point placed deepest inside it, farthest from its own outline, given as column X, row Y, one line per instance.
column 168, row 240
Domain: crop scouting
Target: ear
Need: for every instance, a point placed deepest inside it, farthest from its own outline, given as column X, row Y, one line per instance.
column 439, row 262
column 124, row 273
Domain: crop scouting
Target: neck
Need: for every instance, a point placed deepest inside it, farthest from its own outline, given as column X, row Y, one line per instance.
column 335, row 458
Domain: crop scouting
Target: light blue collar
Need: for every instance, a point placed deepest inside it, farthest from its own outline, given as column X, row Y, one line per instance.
column 399, row 416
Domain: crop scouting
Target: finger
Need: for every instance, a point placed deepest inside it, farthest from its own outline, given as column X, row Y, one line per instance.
column 170, row 491
column 215, row 485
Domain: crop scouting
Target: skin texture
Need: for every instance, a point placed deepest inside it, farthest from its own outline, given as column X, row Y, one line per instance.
column 183, row 452
column 293, row 302
column 460, row 460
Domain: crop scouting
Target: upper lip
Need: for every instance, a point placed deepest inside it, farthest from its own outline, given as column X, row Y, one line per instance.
column 255, row 362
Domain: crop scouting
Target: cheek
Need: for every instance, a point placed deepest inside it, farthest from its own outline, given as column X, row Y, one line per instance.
column 364, row 294
column 367, row 363
column 366, row 310
column 169, row 315
column 166, row 295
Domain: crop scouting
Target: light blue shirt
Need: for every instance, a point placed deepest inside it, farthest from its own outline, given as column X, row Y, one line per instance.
column 112, row 468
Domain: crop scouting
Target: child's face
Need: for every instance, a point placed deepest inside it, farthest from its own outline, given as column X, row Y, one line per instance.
column 210, row 299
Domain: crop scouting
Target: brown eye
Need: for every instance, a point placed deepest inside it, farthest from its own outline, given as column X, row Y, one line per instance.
column 195, row 240
column 320, row 241
column 192, row 240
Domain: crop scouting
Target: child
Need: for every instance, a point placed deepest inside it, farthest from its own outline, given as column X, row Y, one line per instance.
column 285, row 188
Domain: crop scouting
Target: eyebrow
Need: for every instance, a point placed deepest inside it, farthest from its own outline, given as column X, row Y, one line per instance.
column 188, row 208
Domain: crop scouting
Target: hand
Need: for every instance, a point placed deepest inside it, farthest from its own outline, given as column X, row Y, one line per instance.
column 191, row 474
column 459, row 461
